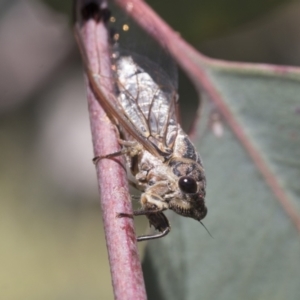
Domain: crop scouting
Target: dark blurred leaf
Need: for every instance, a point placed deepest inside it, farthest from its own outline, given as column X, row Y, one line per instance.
column 61, row 6
column 216, row 16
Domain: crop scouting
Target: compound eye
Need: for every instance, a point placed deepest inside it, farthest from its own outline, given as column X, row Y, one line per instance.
column 188, row 185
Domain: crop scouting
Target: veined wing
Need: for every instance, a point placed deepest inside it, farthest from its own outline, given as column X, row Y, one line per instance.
column 148, row 100
column 150, row 119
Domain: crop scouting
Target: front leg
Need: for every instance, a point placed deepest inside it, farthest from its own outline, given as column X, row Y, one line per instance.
column 160, row 222
column 156, row 219
column 141, row 212
column 130, row 148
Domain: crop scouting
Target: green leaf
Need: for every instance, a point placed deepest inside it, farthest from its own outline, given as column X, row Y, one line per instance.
column 216, row 16
column 250, row 145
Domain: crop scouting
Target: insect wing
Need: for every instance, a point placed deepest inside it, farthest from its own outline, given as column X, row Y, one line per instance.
column 140, row 110
column 148, row 100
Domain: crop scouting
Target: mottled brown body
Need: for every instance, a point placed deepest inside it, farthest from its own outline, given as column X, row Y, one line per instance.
column 163, row 161
column 172, row 177
column 159, row 181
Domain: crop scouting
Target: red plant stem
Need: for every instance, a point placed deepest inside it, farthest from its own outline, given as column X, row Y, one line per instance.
column 126, row 272
column 184, row 54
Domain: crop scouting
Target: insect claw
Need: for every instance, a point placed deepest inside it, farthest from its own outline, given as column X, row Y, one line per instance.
column 154, row 236
column 96, row 159
column 124, row 215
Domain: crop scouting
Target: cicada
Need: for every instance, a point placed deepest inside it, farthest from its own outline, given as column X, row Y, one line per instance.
column 163, row 162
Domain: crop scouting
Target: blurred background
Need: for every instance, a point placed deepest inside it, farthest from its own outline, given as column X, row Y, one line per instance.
column 52, row 242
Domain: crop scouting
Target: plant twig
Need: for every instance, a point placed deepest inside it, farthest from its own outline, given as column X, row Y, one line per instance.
column 127, row 277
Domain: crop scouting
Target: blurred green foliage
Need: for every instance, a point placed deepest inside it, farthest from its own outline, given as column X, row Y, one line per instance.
column 256, row 240
column 197, row 20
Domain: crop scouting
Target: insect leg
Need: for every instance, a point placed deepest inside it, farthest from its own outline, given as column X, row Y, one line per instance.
column 96, row 159
column 128, row 144
column 156, row 218
column 160, row 222
column 130, row 148
column 139, row 212
column 142, row 238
